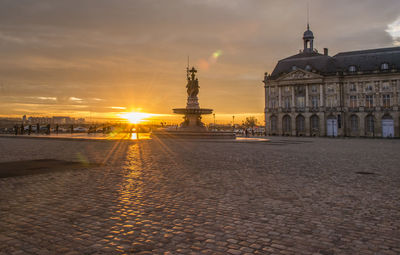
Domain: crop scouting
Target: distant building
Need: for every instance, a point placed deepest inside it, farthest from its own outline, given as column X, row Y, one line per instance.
column 39, row 120
column 80, row 121
column 24, row 119
column 350, row 94
column 60, row 120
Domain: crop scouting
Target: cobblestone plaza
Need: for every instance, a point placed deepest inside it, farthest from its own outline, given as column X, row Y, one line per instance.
column 287, row 196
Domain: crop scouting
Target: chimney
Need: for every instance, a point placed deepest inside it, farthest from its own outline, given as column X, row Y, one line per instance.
column 326, row 51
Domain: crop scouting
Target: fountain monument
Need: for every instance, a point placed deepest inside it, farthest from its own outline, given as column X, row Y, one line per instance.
column 192, row 126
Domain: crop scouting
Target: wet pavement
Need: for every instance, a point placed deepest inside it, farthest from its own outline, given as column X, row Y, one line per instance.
column 284, row 196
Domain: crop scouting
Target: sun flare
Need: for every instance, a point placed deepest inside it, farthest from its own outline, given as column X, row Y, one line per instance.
column 135, row 117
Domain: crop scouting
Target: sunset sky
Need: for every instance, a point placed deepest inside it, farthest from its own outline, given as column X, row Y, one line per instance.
column 100, row 57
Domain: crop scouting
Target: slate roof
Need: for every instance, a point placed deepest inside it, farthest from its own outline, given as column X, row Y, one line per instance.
column 364, row 60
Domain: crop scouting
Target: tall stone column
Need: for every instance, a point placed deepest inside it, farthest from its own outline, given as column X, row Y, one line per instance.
column 280, row 96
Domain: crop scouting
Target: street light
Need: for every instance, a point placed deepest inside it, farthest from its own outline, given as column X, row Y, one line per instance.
column 233, row 122
column 214, row 120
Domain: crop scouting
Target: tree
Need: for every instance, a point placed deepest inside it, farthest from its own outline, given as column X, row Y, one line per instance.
column 250, row 122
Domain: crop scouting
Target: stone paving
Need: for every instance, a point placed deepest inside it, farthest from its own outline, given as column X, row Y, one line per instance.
column 287, row 196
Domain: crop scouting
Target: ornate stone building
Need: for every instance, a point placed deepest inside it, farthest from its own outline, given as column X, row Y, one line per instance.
column 350, row 94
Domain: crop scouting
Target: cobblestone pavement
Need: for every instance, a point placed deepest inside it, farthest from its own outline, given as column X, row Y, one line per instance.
column 287, row 196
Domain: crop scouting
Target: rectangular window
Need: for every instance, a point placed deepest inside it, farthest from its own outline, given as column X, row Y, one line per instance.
column 385, row 86
column 300, row 102
column 386, row 101
column 353, row 101
column 368, row 87
column 369, row 101
column 287, row 102
column 314, row 89
column 331, row 101
column 353, row 87
column 314, row 101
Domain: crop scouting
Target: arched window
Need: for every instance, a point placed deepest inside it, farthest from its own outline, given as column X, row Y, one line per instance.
column 369, row 124
column 308, row 68
column 354, row 122
column 300, row 123
column 294, row 68
column 352, row 68
column 286, row 123
column 314, row 123
column 384, row 66
column 274, row 121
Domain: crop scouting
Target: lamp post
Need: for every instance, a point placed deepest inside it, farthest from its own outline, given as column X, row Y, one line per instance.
column 214, row 120
column 233, row 122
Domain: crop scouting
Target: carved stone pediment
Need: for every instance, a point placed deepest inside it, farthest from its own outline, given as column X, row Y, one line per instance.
column 299, row 75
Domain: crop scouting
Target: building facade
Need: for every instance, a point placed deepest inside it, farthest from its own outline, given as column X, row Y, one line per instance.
column 350, row 94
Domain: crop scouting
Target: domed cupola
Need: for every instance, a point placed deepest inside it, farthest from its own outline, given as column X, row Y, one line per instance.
column 308, row 38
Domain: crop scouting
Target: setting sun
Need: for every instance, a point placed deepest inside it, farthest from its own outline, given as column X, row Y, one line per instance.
column 135, row 117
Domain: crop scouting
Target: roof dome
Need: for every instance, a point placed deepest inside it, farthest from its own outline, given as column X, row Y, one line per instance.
column 308, row 34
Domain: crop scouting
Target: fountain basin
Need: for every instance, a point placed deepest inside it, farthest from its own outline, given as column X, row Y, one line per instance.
column 192, row 111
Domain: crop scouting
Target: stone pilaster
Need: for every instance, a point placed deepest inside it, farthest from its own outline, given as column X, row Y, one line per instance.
column 280, row 97
column 362, row 124
column 307, row 100
column 279, row 127
column 293, row 119
column 307, row 124
column 321, row 95
column 322, row 124
column 396, row 118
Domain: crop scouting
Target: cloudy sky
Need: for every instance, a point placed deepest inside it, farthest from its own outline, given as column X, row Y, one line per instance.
column 98, row 57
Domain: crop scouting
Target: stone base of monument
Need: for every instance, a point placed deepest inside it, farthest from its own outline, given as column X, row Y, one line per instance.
column 191, row 134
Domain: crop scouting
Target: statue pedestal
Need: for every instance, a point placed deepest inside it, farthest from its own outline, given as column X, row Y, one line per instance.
column 193, row 122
